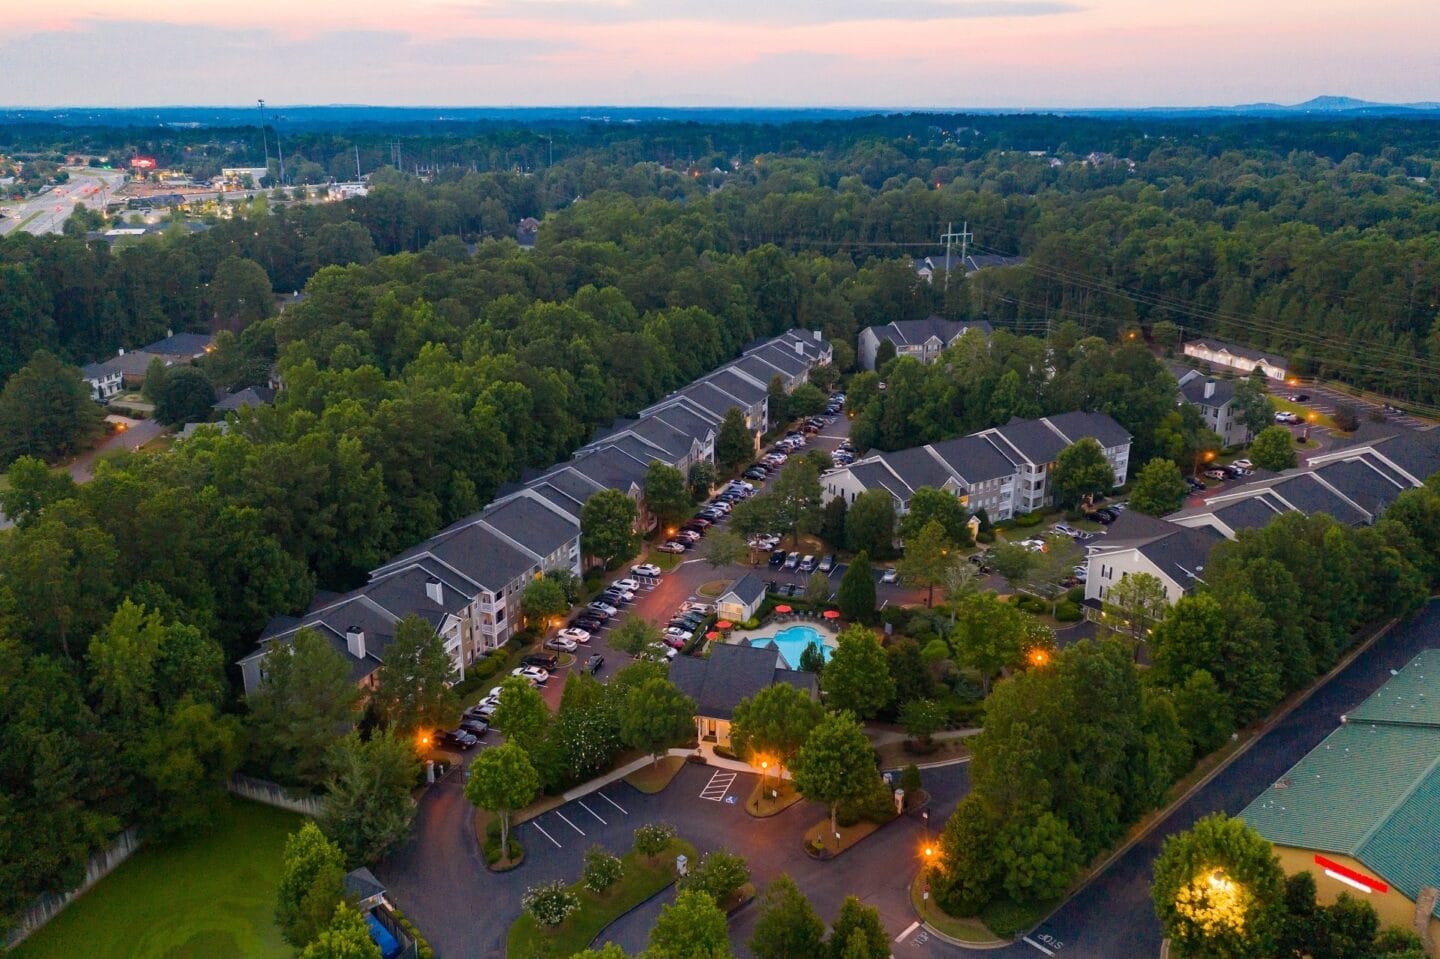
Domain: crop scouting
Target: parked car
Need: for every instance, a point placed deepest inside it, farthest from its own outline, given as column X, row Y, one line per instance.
column 627, row 584
column 1065, row 529
column 1035, row 545
column 535, row 674
column 1217, row 474
column 647, row 569
column 673, row 546
column 792, row 561
column 682, row 636
column 1285, row 416
column 698, row 522
column 1106, row 516
column 560, row 643
column 593, row 664
column 827, row 564
column 1299, row 398
column 542, row 660
column 777, row 559
column 457, row 738
column 693, row 607
column 599, row 610
column 1195, row 484
column 617, row 597
column 1244, row 464
column 588, row 623
column 891, row 575
column 575, row 635
column 475, row 727
column 807, row 565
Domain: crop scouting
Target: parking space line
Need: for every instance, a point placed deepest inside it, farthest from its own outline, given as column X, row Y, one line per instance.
column 718, row 786
column 1038, row 946
column 908, row 929
column 569, row 823
column 590, row 811
column 546, row 834
column 612, row 802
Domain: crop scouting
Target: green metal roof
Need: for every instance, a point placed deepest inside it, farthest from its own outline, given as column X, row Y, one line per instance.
column 1411, row 697
column 1371, row 789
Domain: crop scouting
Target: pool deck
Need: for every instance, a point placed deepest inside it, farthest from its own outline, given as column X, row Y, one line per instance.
column 828, row 633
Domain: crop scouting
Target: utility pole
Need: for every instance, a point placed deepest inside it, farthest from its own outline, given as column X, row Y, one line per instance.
column 263, row 137
column 357, row 163
column 964, row 236
column 280, row 152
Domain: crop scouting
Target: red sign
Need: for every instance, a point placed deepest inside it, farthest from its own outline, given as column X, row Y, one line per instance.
column 142, row 163
column 1355, row 878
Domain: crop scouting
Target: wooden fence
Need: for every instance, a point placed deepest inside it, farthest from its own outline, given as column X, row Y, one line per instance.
column 50, row 905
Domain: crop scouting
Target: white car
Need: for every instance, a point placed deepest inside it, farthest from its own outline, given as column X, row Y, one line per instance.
column 721, row 505
column 676, row 632
column 625, row 584
column 1064, row 529
column 535, row 674
column 615, row 592
column 706, row 608
column 647, row 569
column 1244, row 464
column 562, row 644
column 575, row 634
column 890, row 575
column 672, row 546
column 1034, row 545
column 603, row 607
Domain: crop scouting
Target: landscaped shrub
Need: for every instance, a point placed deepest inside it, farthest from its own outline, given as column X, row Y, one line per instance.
column 492, row 845
column 651, row 838
column 985, row 536
column 1027, row 520
column 877, row 805
column 602, row 870
column 910, row 779
column 550, row 904
column 1067, row 612
column 718, row 874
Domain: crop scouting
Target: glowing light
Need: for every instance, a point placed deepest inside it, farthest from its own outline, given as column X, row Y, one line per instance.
column 1039, row 657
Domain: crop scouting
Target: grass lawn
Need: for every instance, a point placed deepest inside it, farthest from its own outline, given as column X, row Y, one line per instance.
column 1303, row 411
column 765, row 804
column 849, row 835
column 713, row 589
column 964, row 928
column 656, row 776
column 896, row 756
column 639, row 881
column 210, row 897
column 666, row 561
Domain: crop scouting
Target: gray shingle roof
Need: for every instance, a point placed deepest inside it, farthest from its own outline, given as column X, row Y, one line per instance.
column 1194, row 391
column 188, row 345
column 731, row 673
column 476, row 553
column 250, row 396
column 1237, row 350
column 612, row 468
column 917, row 467
column 1079, row 424
column 1183, row 554
column 915, row 332
column 749, row 589
column 533, row 525
column 975, row 458
column 1035, row 441
column 737, row 386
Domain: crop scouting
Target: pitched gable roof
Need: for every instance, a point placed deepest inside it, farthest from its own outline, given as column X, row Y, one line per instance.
column 732, row 672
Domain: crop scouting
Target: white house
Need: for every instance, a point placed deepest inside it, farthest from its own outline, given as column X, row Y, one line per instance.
column 1001, row 470
column 1241, row 359
column 1215, row 401
column 922, row 340
column 742, row 600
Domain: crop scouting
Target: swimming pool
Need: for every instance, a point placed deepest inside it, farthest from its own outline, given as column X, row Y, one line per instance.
column 792, row 641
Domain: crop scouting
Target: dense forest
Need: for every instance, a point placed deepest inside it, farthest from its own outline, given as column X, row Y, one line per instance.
column 431, row 359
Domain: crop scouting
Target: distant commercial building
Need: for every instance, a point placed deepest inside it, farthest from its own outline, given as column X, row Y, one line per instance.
column 1241, row 359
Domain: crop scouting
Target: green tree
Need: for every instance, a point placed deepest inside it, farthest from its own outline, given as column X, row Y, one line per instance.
column 870, row 524
column 666, row 495
column 807, row 400
column 1233, row 642
column 1080, row 470
column 32, row 488
column 734, row 443
column 153, row 386
column 794, row 499
column 346, row 937
column 857, row 678
column 502, row 780
column 186, row 397
column 1042, row 857
column 306, row 697
column 858, row 933
column 701, row 479
column 1219, row 891
column 340, row 244
column 1159, row 488
column 788, row 926
column 521, row 714
column 240, row 293
column 724, row 548
column 836, row 764
column 777, row 401
column 656, row 715
column 970, row 865
column 832, row 522
column 414, row 683
column 692, row 927
column 1251, row 406
column 921, row 719
column 1013, row 561
column 603, row 869
column 543, row 599
column 1133, row 607
column 929, row 557
column 1273, row 449
column 187, row 760
column 817, row 588
column 774, row 722
column 368, row 809
column 856, row 593
column 633, row 635
column 312, row 874
column 719, row 874
column 1204, row 712
column 46, row 411
column 988, row 636
column 927, row 505
column 607, row 527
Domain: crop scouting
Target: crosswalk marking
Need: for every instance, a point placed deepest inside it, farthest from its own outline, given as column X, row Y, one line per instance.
column 1038, row 946
column 718, row 786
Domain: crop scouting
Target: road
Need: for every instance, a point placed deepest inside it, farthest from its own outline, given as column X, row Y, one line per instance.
column 136, row 434
column 47, row 212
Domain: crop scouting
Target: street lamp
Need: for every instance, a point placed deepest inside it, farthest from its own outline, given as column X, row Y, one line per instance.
column 1039, row 657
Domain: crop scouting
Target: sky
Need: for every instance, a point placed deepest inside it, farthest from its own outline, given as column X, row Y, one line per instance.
column 856, row 53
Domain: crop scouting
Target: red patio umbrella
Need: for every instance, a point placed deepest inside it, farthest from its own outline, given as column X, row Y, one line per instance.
column 724, row 624
column 712, row 635
column 832, row 614
column 782, row 608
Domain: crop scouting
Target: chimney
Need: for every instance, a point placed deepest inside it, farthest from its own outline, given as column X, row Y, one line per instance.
column 122, row 352
column 355, row 641
column 817, row 336
column 800, row 349
column 169, row 332
column 434, row 591
column 1209, row 388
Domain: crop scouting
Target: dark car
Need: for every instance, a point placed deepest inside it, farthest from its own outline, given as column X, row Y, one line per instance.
column 588, row 623
column 777, row 559
column 1104, row 516
column 593, row 664
column 475, row 727
column 543, row 660
column 458, row 738
column 1300, row 397
column 1194, row 484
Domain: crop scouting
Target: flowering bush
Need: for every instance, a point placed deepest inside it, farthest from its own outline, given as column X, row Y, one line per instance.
column 652, row 837
column 602, row 870
column 550, row 904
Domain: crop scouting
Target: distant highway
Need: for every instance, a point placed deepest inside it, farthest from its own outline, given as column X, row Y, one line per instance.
column 47, row 212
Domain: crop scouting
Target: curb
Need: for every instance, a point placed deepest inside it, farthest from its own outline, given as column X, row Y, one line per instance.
column 964, row 944
column 643, row 902
column 1269, row 724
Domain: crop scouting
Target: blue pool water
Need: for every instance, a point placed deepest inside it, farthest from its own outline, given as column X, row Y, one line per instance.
column 792, row 641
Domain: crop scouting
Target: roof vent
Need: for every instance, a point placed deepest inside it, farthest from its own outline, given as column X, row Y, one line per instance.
column 434, row 591
column 355, row 641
